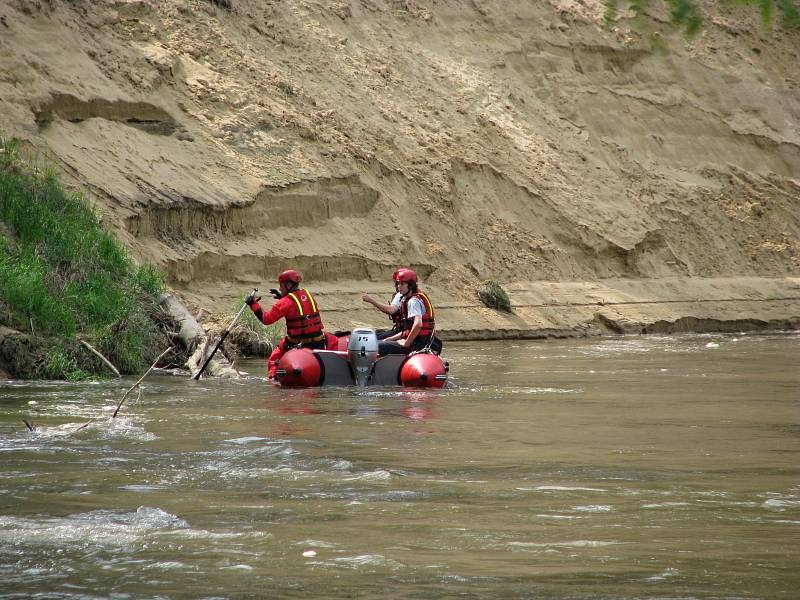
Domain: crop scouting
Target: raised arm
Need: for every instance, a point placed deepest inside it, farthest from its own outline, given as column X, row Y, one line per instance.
column 389, row 309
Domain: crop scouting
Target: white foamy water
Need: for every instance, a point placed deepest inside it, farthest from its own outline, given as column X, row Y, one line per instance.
column 104, row 428
column 560, row 488
column 666, row 505
column 366, row 560
column 780, row 504
column 378, row 475
column 101, row 527
column 202, row 534
column 593, row 508
column 167, row 565
column 544, row 390
column 248, row 440
column 665, row 574
column 568, row 544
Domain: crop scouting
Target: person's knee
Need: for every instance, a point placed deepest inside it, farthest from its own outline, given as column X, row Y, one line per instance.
column 276, row 354
column 385, row 348
column 331, row 342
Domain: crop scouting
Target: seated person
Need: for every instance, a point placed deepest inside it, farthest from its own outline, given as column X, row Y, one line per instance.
column 418, row 321
column 392, row 309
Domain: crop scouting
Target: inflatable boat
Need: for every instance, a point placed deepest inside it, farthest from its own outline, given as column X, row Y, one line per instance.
column 356, row 362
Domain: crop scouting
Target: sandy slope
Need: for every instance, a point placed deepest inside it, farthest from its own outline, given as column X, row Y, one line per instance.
column 606, row 185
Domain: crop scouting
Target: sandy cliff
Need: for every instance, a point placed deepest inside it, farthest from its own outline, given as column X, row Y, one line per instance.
column 607, row 185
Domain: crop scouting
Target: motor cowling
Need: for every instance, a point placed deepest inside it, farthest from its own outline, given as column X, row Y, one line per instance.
column 363, row 352
column 423, row 370
column 299, row 367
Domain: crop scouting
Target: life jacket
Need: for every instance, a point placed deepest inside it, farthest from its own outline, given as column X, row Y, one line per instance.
column 306, row 326
column 396, row 318
column 428, row 322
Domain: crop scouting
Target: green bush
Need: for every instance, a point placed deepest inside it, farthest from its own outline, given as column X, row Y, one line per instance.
column 689, row 16
column 149, row 280
column 62, row 275
column 494, row 296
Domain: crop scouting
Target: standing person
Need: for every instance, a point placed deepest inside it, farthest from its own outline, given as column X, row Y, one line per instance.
column 417, row 316
column 392, row 309
column 304, row 327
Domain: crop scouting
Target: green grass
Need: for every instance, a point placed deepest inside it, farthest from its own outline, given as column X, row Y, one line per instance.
column 689, row 14
column 494, row 296
column 62, row 275
column 59, row 364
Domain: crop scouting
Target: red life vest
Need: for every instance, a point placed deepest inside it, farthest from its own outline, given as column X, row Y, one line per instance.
column 397, row 317
column 428, row 322
column 306, row 325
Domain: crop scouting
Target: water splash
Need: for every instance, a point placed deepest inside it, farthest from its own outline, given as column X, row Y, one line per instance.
column 99, row 527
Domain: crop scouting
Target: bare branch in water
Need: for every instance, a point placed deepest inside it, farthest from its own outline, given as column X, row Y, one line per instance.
column 101, row 357
column 130, row 389
column 160, row 356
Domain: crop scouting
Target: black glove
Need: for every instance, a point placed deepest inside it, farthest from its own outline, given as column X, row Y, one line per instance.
column 251, row 299
column 275, row 293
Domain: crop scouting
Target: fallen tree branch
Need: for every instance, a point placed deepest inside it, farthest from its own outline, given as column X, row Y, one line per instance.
column 190, row 333
column 194, row 338
column 218, row 367
column 101, row 357
column 160, row 356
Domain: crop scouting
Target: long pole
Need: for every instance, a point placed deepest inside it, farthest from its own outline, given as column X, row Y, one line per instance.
column 222, row 339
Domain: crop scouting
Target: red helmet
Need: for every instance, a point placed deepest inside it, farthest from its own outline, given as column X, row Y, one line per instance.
column 290, row 275
column 396, row 273
column 406, row 276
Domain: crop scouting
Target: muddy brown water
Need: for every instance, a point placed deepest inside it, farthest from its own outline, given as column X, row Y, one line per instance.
column 633, row 467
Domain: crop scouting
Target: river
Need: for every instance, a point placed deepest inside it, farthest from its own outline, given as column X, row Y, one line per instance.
column 629, row 467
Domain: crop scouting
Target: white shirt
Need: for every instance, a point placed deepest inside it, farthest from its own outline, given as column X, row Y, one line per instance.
column 397, row 300
column 415, row 308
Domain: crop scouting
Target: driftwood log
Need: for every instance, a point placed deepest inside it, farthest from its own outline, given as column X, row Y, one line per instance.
column 190, row 333
column 196, row 340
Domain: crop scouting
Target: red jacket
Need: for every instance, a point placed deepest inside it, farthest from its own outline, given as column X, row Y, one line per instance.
column 303, row 321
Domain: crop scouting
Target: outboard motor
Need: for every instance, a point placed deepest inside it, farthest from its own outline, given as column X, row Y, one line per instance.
column 363, row 352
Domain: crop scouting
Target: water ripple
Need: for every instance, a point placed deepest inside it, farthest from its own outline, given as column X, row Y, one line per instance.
column 103, row 527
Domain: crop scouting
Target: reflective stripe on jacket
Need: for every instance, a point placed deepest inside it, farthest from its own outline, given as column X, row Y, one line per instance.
column 428, row 321
column 305, row 325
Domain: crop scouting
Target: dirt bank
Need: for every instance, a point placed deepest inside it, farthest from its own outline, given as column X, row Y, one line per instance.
column 608, row 186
